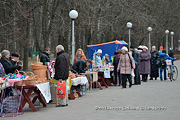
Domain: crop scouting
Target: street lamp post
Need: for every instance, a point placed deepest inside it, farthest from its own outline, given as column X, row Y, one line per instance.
column 179, row 45
column 129, row 26
column 73, row 14
column 172, row 33
column 149, row 29
column 167, row 33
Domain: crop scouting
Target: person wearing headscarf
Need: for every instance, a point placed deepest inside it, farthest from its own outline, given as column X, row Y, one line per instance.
column 98, row 56
column 107, row 59
column 79, row 55
column 144, row 65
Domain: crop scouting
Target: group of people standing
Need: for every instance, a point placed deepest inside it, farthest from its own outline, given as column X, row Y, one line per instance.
column 126, row 63
column 62, row 66
column 139, row 61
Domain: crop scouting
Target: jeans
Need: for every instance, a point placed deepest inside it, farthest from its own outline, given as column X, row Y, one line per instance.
column 161, row 70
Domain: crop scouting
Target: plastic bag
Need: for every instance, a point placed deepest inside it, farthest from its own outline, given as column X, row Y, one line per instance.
column 132, row 73
column 61, row 89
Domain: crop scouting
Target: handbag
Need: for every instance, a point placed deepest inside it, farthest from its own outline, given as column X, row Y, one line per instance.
column 0, row 110
column 10, row 104
column 130, row 61
column 158, row 63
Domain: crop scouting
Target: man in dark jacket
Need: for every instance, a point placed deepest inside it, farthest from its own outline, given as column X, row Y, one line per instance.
column 62, row 71
column 45, row 56
column 15, row 59
column 135, row 55
column 171, row 53
column 154, row 67
column 80, row 66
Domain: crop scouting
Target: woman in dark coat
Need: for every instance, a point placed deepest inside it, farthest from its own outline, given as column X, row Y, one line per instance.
column 144, row 65
column 8, row 67
column 154, row 67
column 115, row 63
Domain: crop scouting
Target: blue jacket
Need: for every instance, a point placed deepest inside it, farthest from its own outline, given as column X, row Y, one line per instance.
column 166, row 57
column 98, row 59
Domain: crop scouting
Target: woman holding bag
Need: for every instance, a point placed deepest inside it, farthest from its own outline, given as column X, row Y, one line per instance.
column 126, row 63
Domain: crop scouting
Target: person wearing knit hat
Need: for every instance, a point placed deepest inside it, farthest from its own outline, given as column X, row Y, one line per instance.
column 126, row 63
column 98, row 56
column 144, row 47
column 124, row 49
column 5, row 53
column 144, row 65
column 140, row 47
column 8, row 66
column 132, row 46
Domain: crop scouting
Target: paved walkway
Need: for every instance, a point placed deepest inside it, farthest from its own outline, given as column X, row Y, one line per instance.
column 154, row 100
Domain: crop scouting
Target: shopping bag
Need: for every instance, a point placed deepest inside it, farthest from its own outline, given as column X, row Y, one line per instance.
column 132, row 73
column 61, row 89
column 10, row 104
column 68, row 83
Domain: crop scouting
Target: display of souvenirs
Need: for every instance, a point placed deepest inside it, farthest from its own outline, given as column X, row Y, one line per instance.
column 51, row 68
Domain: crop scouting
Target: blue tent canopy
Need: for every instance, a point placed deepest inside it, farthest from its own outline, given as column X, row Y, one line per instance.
column 107, row 48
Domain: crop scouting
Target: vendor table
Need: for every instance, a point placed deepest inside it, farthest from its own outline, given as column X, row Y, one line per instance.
column 27, row 94
column 105, row 81
column 78, row 81
column 93, row 79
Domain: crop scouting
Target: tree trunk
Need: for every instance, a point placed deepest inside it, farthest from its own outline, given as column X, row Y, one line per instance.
column 26, row 48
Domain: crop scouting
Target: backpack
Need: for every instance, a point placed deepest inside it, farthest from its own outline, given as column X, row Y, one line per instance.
column 163, row 61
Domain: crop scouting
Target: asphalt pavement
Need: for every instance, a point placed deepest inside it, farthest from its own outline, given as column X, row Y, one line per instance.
column 153, row 100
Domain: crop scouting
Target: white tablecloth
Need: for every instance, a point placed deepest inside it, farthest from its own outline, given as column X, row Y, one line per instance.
column 79, row 81
column 45, row 90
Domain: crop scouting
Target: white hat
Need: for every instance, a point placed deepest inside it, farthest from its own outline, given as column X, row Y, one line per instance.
column 124, row 49
column 141, row 47
column 106, row 55
column 99, row 51
column 144, row 47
